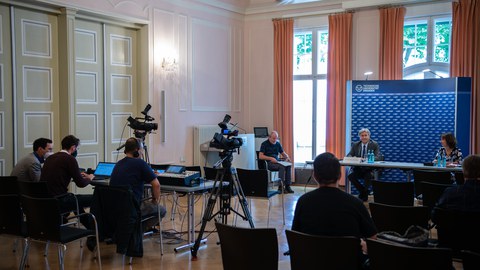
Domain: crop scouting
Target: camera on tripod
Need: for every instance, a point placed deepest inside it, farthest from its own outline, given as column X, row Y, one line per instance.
column 225, row 140
column 143, row 126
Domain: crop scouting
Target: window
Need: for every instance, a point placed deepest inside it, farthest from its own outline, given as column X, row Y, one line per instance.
column 309, row 93
column 426, row 47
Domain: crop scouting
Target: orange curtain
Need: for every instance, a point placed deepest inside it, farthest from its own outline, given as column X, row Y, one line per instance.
column 283, row 82
column 338, row 73
column 465, row 57
column 391, row 43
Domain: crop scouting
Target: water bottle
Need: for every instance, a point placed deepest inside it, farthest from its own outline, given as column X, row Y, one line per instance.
column 444, row 161
column 371, row 157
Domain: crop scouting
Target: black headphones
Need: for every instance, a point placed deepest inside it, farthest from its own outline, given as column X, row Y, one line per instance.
column 136, row 153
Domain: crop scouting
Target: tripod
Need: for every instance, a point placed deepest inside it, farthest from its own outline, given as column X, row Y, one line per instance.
column 141, row 137
column 224, row 194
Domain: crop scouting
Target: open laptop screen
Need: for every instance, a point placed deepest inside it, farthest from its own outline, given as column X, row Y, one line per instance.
column 175, row 169
column 260, row 132
column 104, row 169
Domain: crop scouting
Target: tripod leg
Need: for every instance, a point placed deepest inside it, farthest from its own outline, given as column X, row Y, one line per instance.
column 241, row 197
column 207, row 216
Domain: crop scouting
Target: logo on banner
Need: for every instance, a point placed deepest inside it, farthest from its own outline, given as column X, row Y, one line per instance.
column 366, row 88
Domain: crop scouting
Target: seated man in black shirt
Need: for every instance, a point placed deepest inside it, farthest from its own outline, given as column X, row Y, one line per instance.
column 328, row 211
column 270, row 151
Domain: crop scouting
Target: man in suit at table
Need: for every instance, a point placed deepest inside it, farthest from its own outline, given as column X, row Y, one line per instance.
column 361, row 149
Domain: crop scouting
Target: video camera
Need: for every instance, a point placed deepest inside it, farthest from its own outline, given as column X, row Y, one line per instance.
column 225, row 140
column 144, row 126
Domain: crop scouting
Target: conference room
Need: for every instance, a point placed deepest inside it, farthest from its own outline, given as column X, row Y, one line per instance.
column 316, row 72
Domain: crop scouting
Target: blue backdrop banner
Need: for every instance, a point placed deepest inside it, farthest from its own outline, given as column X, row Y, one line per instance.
column 407, row 117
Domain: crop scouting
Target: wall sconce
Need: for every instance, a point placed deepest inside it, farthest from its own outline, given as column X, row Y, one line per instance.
column 169, row 64
column 368, row 73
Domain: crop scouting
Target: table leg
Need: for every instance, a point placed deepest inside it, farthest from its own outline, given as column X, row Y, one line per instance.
column 191, row 223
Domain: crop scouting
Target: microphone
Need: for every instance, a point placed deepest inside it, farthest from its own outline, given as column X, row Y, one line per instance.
column 120, row 147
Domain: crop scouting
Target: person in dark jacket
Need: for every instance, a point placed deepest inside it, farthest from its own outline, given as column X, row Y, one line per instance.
column 59, row 170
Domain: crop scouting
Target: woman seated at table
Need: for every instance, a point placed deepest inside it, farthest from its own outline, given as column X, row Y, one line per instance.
column 449, row 150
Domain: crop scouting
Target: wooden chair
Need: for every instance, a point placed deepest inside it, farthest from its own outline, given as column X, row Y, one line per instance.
column 384, row 255
column 431, row 193
column 8, row 185
column 393, row 193
column 458, row 230
column 323, row 252
column 398, row 218
column 246, row 248
column 471, row 260
column 119, row 218
column 44, row 224
column 255, row 185
column 437, row 177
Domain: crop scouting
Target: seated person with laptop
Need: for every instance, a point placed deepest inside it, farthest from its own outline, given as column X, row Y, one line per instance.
column 104, row 170
column 270, row 151
column 135, row 172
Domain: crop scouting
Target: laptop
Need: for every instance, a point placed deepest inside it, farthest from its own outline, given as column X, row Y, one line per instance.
column 104, row 170
column 260, row 132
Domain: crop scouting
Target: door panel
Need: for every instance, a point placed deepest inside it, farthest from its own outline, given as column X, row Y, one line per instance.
column 36, row 66
column 6, row 97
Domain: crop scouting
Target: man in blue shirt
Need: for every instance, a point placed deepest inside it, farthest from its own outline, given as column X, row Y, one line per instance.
column 135, row 172
column 270, row 151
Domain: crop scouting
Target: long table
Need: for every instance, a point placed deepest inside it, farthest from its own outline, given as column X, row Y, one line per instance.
column 190, row 192
column 407, row 167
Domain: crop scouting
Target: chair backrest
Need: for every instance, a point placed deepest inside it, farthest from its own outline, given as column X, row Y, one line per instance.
column 34, row 189
column 393, row 193
column 398, row 218
column 254, row 182
column 8, row 185
column 431, row 193
column 384, row 255
column 459, row 178
column 43, row 218
column 430, row 176
column 118, row 217
column 323, row 252
column 458, row 230
column 471, row 260
column 262, row 164
column 210, row 173
column 246, row 248
column 11, row 216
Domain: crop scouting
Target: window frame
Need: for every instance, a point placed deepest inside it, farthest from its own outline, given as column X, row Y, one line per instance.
column 313, row 77
column 430, row 63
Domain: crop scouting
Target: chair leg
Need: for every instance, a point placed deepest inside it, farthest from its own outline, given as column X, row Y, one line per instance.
column 45, row 254
column 61, row 251
column 23, row 261
column 160, row 231
column 283, row 208
column 268, row 214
